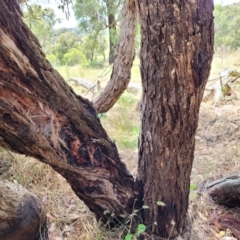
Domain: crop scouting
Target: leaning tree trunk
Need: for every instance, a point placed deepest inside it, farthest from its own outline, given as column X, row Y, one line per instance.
column 121, row 72
column 176, row 54
column 42, row 117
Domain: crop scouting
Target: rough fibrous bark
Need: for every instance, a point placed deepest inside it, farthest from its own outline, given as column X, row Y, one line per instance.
column 121, row 72
column 22, row 215
column 225, row 191
column 41, row 116
column 176, row 54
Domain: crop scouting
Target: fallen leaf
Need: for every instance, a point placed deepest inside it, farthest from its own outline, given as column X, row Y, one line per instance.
column 220, row 234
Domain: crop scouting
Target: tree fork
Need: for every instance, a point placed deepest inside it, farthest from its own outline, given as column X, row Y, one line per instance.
column 42, row 117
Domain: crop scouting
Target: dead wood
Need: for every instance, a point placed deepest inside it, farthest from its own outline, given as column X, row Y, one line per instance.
column 91, row 87
column 22, row 215
column 82, row 83
column 226, row 191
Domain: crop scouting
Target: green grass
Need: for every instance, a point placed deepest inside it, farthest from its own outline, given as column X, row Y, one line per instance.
column 122, row 122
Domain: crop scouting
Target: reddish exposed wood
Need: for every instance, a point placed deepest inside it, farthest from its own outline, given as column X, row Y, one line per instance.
column 176, row 54
column 121, row 72
column 41, row 116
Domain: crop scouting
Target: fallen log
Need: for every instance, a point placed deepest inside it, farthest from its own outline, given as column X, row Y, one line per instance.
column 225, row 191
column 91, row 87
column 22, row 215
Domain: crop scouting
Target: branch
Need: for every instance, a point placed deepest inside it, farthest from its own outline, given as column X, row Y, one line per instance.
column 121, row 72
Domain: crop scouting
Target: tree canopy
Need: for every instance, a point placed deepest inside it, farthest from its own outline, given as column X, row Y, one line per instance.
column 41, row 22
column 97, row 16
column 227, row 22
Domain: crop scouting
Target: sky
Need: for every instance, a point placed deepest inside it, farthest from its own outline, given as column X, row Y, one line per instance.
column 71, row 23
column 225, row 2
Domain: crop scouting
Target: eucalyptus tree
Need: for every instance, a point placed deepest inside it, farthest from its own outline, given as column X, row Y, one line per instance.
column 41, row 21
column 227, row 22
column 41, row 116
column 98, row 16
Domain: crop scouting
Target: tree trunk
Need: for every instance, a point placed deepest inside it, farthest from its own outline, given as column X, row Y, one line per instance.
column 20, row 209
column 112, row 31
column 112, row 37
column 41, row 116
column 121, row 72
column 176, row 54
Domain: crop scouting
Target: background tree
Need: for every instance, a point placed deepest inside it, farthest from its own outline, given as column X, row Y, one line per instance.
column 227, row 22
column 74, row 56
column 96, row 16
column 41, row 22
column 94, row 45
column 65, row 41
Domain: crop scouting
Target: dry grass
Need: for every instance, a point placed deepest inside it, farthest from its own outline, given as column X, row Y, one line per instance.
column 229, row 60
column 217, row 154
column 68, row 217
